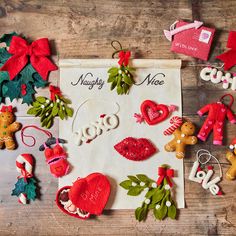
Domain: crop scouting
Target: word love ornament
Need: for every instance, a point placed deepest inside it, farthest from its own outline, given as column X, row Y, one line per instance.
column 199, row 176
column 216, row 76
column 89, row 132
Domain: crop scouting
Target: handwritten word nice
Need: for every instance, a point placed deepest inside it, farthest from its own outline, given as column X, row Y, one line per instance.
column 153, row 80
column 89, row 132
column 203, row 178
column 89, row 80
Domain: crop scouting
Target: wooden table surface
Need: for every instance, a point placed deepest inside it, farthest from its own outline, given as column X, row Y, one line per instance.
column 84, row 29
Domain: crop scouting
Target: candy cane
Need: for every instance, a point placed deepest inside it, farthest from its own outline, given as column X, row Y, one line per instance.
column 175, row 122
column 24, row 165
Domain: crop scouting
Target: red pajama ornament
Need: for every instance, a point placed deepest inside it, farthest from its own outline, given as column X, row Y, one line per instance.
column 217, row 113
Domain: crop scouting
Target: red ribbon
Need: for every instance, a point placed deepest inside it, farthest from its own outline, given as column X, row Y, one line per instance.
column 6, row 108
column 54, row 91
column 165, row 173
column 124, row 58
column 229, row 57
column 24, row 173
column 37, row 51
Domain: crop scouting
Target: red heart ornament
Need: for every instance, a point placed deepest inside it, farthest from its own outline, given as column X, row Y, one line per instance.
column 91, row 193
column 82, row 215
column 154, row 113
column 135, row 149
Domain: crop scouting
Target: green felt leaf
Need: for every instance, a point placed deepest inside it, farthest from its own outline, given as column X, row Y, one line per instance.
column 172, row 211
column 135, row 191
column 30, row 190
column 26, row 74
column 134, row 179
column 128, row 80
column 158, row 195
column 130, row 69
column 143, row 178
column 113, row 70
column 161, row 212
column 119, row 90
column 150, row 193
column 19, row 187
column 141, row 213
column 41, row 99
column 49, row 124
column 32, row 111
column 6, row 38
column 126, row 184
column 55, row 110
column 113, row 85
column 4, row 56
column 69, row 111
column 65, row 100
column 38, row 80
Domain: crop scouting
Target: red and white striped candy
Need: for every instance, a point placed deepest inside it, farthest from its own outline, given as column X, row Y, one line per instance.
column 175, row 122
column 24, row 165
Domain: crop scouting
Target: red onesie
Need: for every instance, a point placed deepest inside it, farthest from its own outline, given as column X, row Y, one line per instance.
column 217, row 113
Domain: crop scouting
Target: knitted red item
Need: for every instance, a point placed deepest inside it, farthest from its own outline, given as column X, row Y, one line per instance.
column 154, row 113
column 56, row 158
column 91, row 193
column 135, row 149
column 217, row 113
column 229, row 57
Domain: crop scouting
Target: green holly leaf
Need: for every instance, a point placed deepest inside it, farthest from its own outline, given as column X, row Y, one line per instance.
column 19, row 187
column 126, row 184
column 135, row 191
column 4, row 56
column 158, row 195
column 11, row 89
column 6, row 38
column 134, row 179
column 172, row 211
column 38, row 81
column 30, row 190
column 26, row 74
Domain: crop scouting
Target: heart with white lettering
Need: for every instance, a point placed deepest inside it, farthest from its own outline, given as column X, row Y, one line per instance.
column 91, row 193
column 154, row 113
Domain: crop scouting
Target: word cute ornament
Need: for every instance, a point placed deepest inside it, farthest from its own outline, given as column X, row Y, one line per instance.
column 200, row 176
column 89, row 132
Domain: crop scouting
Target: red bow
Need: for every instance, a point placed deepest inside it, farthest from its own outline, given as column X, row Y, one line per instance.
column 6, row 108
column 165, row 173
column 124, row 58
column 54, row 91
column 37, row 51
column 229, row 57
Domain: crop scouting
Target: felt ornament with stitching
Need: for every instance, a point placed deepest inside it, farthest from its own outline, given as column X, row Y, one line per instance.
column 48, row 109
column 18, row 75
column 231, row 157
column 121, row 77
column 158, row 194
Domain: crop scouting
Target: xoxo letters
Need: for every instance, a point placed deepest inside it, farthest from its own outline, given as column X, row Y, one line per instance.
column 94, row 129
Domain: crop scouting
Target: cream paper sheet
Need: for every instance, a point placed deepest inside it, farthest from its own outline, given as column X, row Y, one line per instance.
column 159, row 81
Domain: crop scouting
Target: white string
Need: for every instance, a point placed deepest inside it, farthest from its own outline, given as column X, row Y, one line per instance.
column 73, row 121
column 209, row 155
column 172, row 27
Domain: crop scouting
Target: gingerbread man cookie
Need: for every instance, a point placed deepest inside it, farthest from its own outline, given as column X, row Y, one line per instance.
column 231, row 156
column 182, row 137
column 7, row 128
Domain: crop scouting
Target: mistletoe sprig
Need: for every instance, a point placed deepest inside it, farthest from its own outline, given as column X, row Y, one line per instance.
column 121, row 77
column 48, row 109
column 158, row 196
column 25, row 186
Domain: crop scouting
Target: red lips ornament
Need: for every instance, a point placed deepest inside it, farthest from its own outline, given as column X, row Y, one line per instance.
column 154, row 113
column 89, row 194
column 135, row 149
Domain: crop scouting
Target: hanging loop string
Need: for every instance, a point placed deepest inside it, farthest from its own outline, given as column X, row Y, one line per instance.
column 90, row 99
column 117, row 50
column 23, row 135
column 231, row 99
column 205, row 153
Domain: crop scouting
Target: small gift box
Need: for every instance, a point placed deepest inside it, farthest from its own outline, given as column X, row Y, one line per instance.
column 195, row 41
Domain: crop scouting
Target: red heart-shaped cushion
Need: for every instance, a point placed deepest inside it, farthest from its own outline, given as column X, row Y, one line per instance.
column 154, row 113
column 135, row 149
column 91, row 193
column 82, row 215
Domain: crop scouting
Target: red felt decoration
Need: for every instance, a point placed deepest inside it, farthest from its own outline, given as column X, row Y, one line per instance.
column 217, row 114
column 229, row 57
column 135, row 149
column 165, row 173
column 54, row 91
column 91, row 193
column 61, row 207
column 38, row 52
column 154, row 113
column 124, row 58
